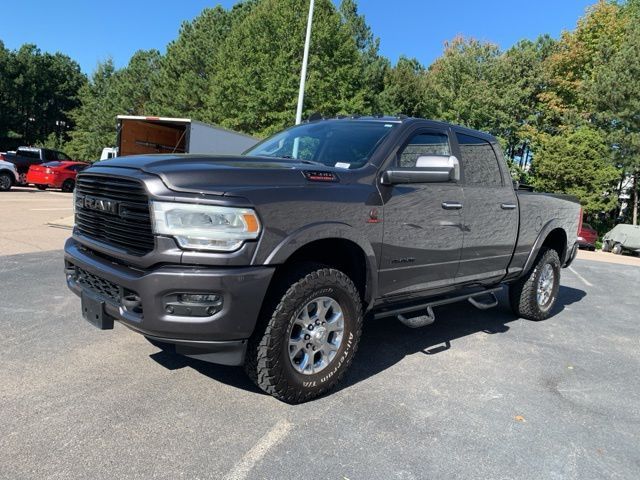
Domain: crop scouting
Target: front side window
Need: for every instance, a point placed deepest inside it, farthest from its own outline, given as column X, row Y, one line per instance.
column 479, row 162
column 423, row 144
column 335, row 143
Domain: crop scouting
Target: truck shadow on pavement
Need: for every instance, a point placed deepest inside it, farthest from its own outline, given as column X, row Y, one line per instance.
column 386, row 341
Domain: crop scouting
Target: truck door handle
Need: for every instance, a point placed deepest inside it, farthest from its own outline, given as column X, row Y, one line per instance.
column 451, row 205
column 508, row 206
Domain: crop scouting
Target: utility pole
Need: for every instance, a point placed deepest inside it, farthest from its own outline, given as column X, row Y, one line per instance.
column 305, row 59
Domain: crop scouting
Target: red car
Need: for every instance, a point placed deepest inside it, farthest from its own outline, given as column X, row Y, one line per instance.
column 55, row 175
column 587, row 237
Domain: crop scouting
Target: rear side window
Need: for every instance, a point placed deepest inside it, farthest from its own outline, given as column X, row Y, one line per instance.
column 76, row 168
column 51, row 164
column 423, row 144
column 49, row 155
column 28, row 153
column 479, row 162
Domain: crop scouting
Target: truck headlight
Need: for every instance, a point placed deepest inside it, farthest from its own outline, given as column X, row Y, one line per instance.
column 205, row 227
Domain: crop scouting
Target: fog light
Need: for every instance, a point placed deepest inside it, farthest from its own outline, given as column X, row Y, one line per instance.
column 193, row 304
column 198, row 298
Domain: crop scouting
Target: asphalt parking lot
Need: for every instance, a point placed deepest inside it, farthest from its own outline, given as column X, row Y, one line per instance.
column 24, row 215
column 480, row 394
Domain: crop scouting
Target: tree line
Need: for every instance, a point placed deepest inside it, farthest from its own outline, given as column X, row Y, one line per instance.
column 565, row 110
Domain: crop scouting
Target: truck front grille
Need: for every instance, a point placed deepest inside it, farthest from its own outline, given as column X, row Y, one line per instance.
column 115, row 211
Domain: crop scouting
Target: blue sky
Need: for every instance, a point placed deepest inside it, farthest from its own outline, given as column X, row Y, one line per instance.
column 91, row 31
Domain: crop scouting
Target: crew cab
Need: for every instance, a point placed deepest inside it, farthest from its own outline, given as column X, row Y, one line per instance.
column 58, row 174
column 24, row 157
column 272, row 259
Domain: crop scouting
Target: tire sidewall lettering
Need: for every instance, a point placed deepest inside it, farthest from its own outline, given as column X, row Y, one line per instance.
column 321, row 378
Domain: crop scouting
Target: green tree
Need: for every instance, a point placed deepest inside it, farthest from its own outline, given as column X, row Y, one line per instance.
column 519, row 81
column 133, row 86
column 614, row 90
column 461, row 85
column 403, row 88
column 37, row 90
column 95, row 118
column 571, row 65
column 254, row 87
column 110, row 93
column 577, row 162
column 187, row 69
column 372, row 66
column 6, row 94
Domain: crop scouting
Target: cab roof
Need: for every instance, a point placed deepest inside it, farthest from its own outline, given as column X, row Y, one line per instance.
column 405, row 120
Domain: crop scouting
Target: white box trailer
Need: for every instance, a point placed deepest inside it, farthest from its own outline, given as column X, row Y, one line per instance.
column 143, row 135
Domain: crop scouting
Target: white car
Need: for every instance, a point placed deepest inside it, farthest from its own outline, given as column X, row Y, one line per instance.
column 8, row 175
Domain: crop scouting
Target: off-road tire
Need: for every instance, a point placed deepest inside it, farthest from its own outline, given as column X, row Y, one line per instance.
column 267, row 360
column 41, row 187
column 68, row 185
column 6, row 182
column 523, row 292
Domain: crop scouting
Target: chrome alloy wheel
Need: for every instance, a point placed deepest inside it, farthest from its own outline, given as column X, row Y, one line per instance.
column 545, row 285
column 316, row 335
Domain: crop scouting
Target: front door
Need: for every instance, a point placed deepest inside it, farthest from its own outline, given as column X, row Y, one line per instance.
column 422, row 223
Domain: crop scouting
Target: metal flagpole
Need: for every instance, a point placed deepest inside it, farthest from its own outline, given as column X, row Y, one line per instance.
column 305, row 59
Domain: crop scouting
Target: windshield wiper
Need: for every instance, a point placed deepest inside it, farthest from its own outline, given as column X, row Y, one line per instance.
column 309, row 162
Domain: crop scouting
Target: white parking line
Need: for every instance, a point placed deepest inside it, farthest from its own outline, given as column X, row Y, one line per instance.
column 584, row 280
column 242, row 469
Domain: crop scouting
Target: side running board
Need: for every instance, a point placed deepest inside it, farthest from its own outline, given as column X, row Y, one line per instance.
column 428, row 318
column 493, row 301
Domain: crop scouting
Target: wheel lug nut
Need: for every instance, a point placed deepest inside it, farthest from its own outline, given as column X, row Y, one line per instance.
column 314, row 349
column 307, row 336
column 310, row 327
column 308, row 345
column 317, row 322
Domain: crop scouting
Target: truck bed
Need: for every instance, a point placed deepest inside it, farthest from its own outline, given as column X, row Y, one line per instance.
column 540, row 213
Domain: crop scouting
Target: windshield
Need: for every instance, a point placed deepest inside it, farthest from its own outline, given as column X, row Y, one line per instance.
column 334, row 143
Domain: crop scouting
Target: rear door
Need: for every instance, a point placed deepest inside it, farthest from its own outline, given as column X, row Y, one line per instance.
column 422, row 222
column 25, row 157
column 490, row 211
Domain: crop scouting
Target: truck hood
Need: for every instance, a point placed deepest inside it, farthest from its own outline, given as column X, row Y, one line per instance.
column 219, row 174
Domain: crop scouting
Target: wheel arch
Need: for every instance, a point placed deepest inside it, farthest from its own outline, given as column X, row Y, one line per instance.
column 336, row 245
column 10, row 172
column 552, row 236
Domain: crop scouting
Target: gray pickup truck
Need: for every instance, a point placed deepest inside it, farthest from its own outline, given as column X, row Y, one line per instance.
column 272, row 259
